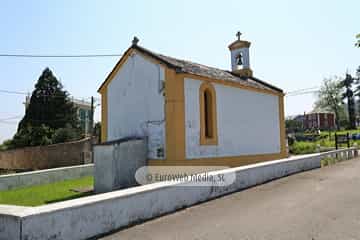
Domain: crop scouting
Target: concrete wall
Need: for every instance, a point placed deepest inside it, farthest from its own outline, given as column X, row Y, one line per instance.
column 10, row 222
column 248, row 122
column 91, row 216
column 116, row 163
column 136, row 103
column 44, row 157
column 17, row 180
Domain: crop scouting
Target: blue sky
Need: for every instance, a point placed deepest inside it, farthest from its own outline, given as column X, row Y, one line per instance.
column 295, row 44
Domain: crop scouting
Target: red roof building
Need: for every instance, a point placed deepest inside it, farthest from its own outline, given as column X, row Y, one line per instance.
column 319, row 120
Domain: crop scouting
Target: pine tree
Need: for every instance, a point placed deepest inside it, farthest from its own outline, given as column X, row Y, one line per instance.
column 347, row 83
column 49, row 104
column 49, row 109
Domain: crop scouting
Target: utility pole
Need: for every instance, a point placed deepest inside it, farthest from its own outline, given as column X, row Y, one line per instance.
column 92, row 118
column 92, row 129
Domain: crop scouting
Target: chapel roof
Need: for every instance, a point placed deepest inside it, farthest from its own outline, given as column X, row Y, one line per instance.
column 185, row 66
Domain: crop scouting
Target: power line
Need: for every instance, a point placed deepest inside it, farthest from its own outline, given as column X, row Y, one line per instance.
column 38, row 95
column 10, row 123
column 44, row 95
column 59, row 56
column 301, row 93
column 13, row 92
column 302, row 90
column 10, row 118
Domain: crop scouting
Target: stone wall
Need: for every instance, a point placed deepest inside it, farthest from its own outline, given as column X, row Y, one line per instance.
column 44, row 157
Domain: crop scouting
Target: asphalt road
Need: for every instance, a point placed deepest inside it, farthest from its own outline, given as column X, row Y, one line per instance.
column 319, row 204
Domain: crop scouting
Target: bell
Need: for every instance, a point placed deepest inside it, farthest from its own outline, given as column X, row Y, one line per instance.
column 239, row 59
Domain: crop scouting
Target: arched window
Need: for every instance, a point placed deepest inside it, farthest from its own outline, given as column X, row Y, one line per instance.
column 208, row 114
column 208, row 123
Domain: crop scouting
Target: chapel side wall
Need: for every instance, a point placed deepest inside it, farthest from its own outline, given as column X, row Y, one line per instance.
column 247, row 122
column 135, row 104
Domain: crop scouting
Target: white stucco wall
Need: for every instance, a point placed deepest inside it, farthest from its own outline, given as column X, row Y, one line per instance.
column 136, row 103
column 248, row 122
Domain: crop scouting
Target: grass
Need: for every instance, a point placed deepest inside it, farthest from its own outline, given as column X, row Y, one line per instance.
column 328, row 161
column 341, row 132
column 324, row 141
column 303, row 147
column 47, row 193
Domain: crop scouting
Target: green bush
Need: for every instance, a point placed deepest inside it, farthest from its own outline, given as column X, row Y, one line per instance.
column 7, row 144
column 32, row 136
column 303, row 148
column 326, row 143
column 65, row 135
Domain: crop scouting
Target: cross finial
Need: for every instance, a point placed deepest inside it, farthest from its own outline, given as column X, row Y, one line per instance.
column 238, row 34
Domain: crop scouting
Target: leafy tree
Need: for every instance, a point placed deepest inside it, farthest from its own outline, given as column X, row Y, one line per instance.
column 33, row 136
column 293, row 126
column 65, row 134
column 41, row 135
column 49, row 109
column 329, row 97
column 357, row 44
column 348, row 93
column 343, row 117
column 7, row 144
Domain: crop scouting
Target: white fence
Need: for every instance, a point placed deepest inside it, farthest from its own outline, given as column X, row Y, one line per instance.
column 95, row 215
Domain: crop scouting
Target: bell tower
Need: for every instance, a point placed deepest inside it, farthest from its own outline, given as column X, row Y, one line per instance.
column 240, row 59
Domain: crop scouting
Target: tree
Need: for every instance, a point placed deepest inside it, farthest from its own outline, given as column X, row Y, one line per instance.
column 65, row 134
column 49, row 109
column 348, row 93
column 357, row 44
column 97, row 131
column 7, row 144
column 329, row 97
column 49, row 104
column 293, row 125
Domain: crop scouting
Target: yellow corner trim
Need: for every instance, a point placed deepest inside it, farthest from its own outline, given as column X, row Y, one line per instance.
column 174, row 116
column 114, row 71
column 104, row 115
column 282, row 126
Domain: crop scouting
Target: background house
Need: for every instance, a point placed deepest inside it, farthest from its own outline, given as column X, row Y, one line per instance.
column 319, row 120
column 83, row 112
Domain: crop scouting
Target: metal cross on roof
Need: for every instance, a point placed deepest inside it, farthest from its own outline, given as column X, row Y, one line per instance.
column 238, row 34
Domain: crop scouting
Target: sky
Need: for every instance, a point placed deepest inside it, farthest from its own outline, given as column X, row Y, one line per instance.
column 295, row 44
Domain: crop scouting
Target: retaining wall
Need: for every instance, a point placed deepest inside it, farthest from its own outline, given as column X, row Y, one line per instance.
column 116, row 163
column 17, row 180
column 91, row 216
column 45, row 157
